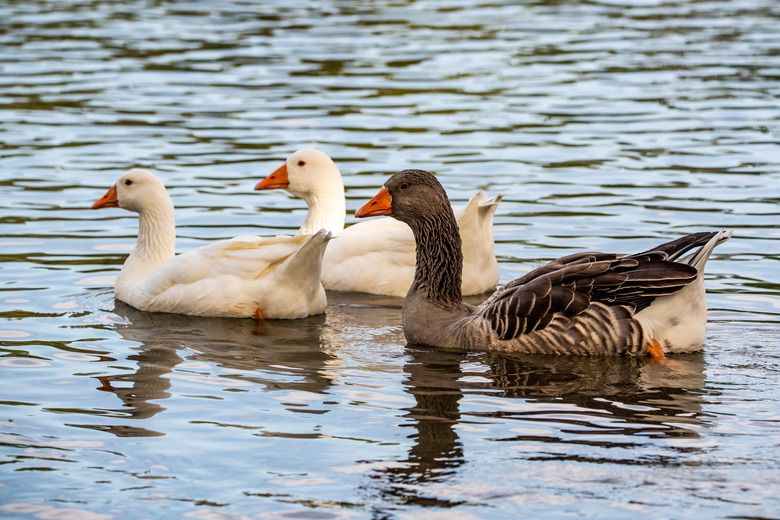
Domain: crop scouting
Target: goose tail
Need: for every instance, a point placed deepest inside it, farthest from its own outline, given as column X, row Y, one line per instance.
column 678, row 321
column 480, row 268
column 699, row 258
column 479, row 210
column 488, row 206
column 307, row 259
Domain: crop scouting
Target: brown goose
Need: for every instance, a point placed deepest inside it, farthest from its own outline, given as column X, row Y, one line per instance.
column 585, row 303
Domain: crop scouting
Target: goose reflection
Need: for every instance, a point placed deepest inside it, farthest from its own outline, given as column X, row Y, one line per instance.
column 636, row 398
column 436, row 451
column 607, row 402
column 243, row 350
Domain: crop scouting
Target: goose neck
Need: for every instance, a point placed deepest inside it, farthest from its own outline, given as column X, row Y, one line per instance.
column 439, row 266
column 326, row 210
column 156, row 240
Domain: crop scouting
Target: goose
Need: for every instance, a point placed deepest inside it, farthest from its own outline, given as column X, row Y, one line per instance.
column 246, row 276
column 648, row 303
column 378, row 256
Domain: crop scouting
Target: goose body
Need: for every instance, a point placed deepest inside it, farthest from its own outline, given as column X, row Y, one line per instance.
column 585, row 303
column 378, row 256
column 246, row 276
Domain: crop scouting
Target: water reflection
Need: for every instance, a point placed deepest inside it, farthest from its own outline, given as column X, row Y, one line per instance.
column 605, row 402
column 437, row 451
column 273, row 354
column 354, row 319
column 627, row 388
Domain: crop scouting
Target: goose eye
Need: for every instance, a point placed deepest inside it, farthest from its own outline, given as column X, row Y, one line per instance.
column 403, row 186
column 128, row 182
column 301, row 163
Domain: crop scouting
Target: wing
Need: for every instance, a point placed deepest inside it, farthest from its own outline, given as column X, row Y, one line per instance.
column 569, row 285
column 245, row 258
column 676, row 248
column 249, row 257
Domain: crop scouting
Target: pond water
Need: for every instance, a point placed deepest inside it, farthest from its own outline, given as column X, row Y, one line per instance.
column 609, row 125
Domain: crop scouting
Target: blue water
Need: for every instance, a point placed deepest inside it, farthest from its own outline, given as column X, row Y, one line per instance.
column 608, row 126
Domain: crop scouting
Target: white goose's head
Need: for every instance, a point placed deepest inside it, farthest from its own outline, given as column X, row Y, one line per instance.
column 136, row 190
column 312, row 176
column 307, row 174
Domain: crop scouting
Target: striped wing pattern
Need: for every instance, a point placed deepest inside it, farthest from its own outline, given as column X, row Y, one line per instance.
column 570, row 286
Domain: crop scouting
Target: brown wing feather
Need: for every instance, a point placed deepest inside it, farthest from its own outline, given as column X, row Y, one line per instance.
column 569, row 284
column 678, row 247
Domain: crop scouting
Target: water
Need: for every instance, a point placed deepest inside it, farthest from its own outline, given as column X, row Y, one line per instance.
column 608, row 126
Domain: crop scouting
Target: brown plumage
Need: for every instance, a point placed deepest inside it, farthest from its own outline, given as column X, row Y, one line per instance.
column 584, row 303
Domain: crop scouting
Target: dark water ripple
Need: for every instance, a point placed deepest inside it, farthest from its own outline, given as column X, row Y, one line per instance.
column 608, row 125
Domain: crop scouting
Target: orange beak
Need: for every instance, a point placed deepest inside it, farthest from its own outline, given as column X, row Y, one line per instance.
column 108, row 200
column 381, row 204
column 278, row 179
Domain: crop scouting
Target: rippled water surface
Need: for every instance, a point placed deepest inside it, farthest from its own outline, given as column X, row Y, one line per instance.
column 608, row 125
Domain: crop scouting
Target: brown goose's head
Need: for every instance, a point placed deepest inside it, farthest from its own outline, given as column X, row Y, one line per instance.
column 409, row 196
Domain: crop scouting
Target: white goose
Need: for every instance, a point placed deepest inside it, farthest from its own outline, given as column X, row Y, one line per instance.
column 246, row 276
column 378, row 256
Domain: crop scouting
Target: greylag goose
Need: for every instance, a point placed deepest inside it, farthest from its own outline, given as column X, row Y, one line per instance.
column 378, row 256
column 246, row 276
column 584, row 303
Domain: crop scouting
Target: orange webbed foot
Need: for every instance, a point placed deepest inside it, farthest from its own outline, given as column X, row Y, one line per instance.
column 654, row 352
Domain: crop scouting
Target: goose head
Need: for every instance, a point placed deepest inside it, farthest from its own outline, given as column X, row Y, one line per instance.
column 312, row 176
column 136, row 190
column 409, row 196
column 306, row 174
column 417, row 199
